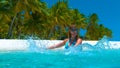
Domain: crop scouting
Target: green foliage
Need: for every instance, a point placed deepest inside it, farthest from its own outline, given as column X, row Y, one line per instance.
column 19, row 18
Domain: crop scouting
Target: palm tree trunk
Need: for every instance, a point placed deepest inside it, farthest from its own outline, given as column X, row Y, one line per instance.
column 10, row 28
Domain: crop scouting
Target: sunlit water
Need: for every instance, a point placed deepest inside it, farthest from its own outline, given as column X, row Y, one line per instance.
column 87, row 56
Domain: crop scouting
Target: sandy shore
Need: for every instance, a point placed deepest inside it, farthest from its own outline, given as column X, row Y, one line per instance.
column 15, row 44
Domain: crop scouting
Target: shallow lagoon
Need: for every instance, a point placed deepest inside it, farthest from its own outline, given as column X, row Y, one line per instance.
column 33, row 54
column 58, row 59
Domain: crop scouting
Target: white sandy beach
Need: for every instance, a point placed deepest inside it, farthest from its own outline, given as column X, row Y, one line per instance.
column 15, row 44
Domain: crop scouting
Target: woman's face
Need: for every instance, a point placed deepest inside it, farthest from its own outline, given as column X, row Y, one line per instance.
column 73, row 33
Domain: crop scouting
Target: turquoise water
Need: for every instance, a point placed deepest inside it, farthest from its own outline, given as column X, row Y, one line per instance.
column 87, row 56
column 59, row 59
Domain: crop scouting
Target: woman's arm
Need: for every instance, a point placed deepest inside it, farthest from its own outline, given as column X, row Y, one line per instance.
column 58, row 45
column 79, row 41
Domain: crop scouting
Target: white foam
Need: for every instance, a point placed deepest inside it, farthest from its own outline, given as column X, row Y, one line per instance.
column 16, row 44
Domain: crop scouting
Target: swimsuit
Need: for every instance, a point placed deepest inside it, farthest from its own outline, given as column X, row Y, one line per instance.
column 71, row 44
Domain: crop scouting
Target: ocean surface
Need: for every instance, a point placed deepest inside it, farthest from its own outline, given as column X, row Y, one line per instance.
column 101, row 55
column 61, row 59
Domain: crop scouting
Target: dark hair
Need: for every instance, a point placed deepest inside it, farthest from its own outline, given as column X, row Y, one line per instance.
column 73, row 26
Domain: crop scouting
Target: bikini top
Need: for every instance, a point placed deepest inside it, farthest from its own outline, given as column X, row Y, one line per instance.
column 71, row 44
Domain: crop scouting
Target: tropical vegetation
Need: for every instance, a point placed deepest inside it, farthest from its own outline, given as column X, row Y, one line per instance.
column 21, row 18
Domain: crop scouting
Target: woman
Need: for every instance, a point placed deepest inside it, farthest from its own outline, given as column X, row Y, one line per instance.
column 72, row 40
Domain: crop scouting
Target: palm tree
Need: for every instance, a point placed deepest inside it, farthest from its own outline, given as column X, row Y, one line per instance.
column 92, row 27
column 33, row 17
column 96, row 31
column 62, row 17
column 23, row 10
column 59, row 15
column 5, row 16
column 104, row 31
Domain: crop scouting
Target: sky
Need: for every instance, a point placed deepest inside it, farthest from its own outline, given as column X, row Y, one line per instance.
column 108, row 12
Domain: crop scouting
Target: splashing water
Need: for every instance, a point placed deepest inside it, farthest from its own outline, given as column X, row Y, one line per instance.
column 103, row 43
column 32, row 45
column 40, row 46
column 36, row 45
column 85, row 55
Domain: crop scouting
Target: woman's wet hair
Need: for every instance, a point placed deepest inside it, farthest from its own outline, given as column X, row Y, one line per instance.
column 73, row 28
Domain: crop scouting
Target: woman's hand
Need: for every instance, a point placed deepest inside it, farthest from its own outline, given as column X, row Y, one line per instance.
column 58, row 45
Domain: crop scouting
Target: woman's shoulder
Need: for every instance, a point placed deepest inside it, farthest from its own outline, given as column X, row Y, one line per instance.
column 79, row 39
